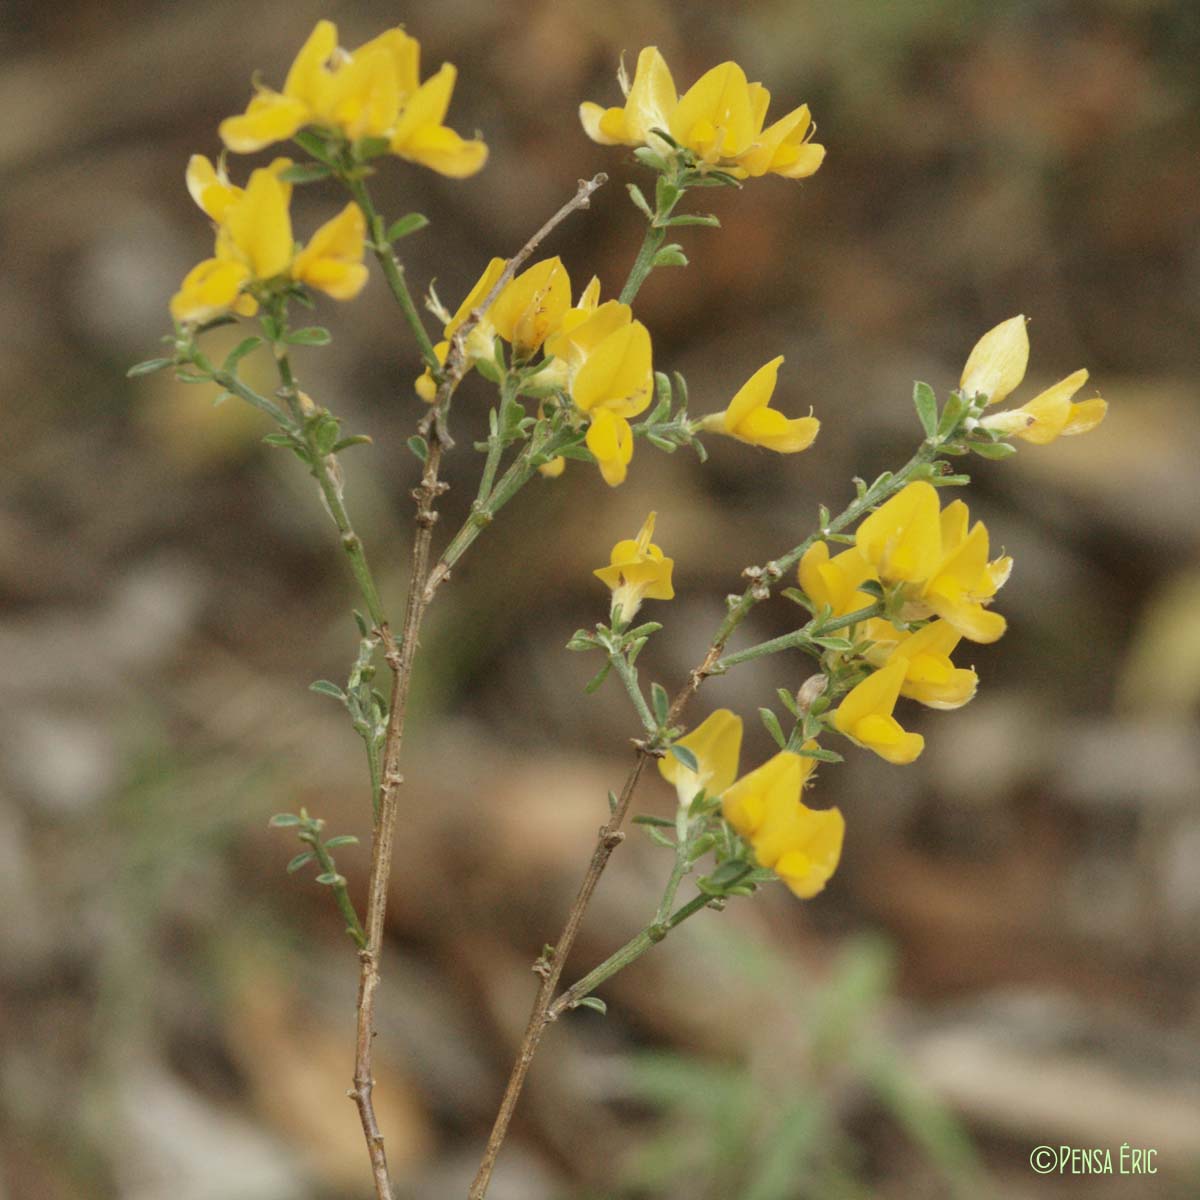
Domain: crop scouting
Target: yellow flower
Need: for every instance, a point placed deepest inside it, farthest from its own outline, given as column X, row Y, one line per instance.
column 719, row 119
column 610, row 439
column 901, row 539
column 964, row 581
column 254, row 244
column 372, row 92
column 333, row 259
column 930, row 677
column 997, row 362
column 637, row 571
column 532, row 305
column 1051, row 414
column 801, row 845
column 865, row 715
column 211, row 288
column 649, row 103
column 834, row 582
column 716, row 743
column 996, row 366
column 750, row 419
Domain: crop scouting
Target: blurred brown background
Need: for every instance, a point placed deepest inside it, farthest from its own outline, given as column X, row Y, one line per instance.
column 1008, row 955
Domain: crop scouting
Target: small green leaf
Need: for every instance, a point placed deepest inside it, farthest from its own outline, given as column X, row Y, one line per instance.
column 833, row 643
column 671, row 255
column 695, row 219
column 796, row 596
column 419, row 446
column 788, row 701
column 771, row 724
column 325, row 436
column 594, row 1002
column 407, row 225
column 993, row 450
column 192, row 377
column 314, row 144
column 306, row 173
column 659, row 822
column 301, row 860
column 284, row 820
column 342, row 839
column 925, row 402
column 358, row 439
column 952, row 414
column 596, row 680
column 371, row 147
column 660, row 702
column 239, row 352
column 661, row 443
column 648, row 158
column 821, row 754
column 312, row 335
column 639, row 200
column 659, row 838
column 331, row 879
column 148, row 367
column 324, row 688
column 686, row 757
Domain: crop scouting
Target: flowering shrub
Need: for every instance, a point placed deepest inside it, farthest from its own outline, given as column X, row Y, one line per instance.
column 888, row 589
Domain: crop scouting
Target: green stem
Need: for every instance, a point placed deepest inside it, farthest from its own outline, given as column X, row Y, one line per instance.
column 631, row 952
column 340, row 894
column 509, row 387
column 629, row 678
column 330, row 489
column 393, row 268
column 800, row 638
column 644, row 263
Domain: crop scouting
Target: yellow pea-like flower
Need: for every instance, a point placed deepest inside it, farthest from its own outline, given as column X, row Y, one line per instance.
column 531, row 306
column 716, row 744
column 965, row 580
column 750, row 419
column 211, row 288
column 649, row 103
column 835, row 582
column 637, row 571
column 332, row 261
column 610, row 439
column 901, row 539
column 720, row 120
column 372, row 92
column 995, row 368
column 865, row 715
column 617, row 375
column 801, row 845
column 209, row 186
column 930, row 677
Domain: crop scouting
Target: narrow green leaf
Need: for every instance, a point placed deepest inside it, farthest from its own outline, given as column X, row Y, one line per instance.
column 306, row 173
column 239, row 352
column 324, row 688
column 314, row 144
column 993, row 450
column 342, row 839
column 833, row 643
column 671, row 255
column 148, row 367
column 771, row 724
column 659, row 822
column 312, row 335
column 331, row 879
column 685, row 756
column 358, row 439
column 660, row 701
column 953, row 412
column 419, row 446
column 821, row 755
column 594, row 1002
column 284, row 820
column 925, row 402
column 788, row 701
column 301, row 860
column 639, row 200
column 695, row 219
column 407, row 225
column 597, row 679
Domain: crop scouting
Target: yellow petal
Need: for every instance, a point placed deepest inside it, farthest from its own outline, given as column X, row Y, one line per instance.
column 209, row 289
column 209, row 188
column 772, row 430
column 308, row 78
column 716, row 742
column 754, row 394
column 444, row 151
column 268, row 118
column 618, row 374
column 806, row 871
column 332, row 260
column 745, row 803
column 715, row 116
column 902, row 538
column 603, row 125
column 996, row 364
column 532, row 305
column 610, row 440
column 652, row 99
column 260, row 226
column 1085, row 416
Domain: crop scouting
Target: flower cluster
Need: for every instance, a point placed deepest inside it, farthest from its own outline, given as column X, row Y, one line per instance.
column 801, row 845
column 637, row 570
column 719, row 122
column 255, row 247
column 373, row 94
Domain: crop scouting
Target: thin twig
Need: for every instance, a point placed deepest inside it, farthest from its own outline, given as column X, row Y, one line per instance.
column 400, row 657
